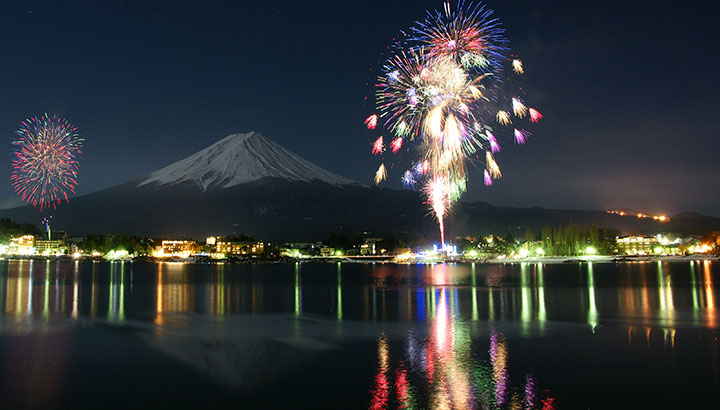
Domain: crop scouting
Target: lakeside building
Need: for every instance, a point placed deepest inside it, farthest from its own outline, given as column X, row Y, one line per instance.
column 22, row 245
column 637, row 245
column 369, row 246
column 299, row 249
column 239, row 248
column 55, row 244
column 176, row 249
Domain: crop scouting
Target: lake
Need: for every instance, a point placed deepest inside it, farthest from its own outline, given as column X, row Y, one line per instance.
column 82, row 334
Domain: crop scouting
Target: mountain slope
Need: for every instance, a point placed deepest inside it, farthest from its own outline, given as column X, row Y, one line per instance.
column 239, row 159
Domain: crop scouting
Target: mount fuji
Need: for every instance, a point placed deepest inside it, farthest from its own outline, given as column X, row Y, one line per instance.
column 244, row 183
column 240, row 159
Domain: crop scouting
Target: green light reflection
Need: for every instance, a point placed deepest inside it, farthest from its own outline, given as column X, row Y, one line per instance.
column 474, row 294
column 339, row 291
column 298, row 292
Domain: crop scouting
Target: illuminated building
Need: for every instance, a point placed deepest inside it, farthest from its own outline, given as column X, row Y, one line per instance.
column 210, row 240
column 237, row 248
column 22, row 245
column 176, row 248
column 325, row 251
column 367, row 249
column 54, row 245
column 637, row 245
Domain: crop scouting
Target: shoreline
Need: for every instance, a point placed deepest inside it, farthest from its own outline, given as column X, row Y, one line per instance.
column 548, row 260
column 603, row 259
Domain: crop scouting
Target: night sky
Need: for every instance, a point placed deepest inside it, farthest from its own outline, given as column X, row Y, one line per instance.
column 629, row 90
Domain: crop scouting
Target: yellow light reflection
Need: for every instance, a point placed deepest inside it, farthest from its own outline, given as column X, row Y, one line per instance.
column 709, row 295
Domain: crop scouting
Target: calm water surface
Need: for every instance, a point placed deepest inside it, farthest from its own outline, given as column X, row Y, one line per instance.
column 346, row 336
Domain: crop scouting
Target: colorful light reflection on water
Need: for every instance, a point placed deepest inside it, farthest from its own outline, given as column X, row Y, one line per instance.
column 443, row 365
column 441, row 336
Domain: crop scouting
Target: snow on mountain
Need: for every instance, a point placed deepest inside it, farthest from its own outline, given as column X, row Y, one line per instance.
column 242, row 158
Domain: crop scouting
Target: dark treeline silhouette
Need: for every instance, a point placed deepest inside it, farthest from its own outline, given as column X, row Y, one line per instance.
column 107, row 243
column 574, row 239
column 9, row 228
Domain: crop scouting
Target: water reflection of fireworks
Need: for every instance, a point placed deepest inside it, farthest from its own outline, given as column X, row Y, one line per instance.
column 441, row 372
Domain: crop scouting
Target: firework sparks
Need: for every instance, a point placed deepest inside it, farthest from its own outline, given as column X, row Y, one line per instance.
column 503, row 118
column 408, row 180
column 380, row 174
column 519, row 109
column 371, row 121
column 494, row 146
column 378, row 146
column 488, row 178
column 396, row 144
column 45, row 162
column 521, row 136
column 535, row 115
column 518, row 66
column 492, row 166
column 444, row 76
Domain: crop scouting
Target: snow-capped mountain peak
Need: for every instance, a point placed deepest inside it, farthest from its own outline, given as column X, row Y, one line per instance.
column 242, row 158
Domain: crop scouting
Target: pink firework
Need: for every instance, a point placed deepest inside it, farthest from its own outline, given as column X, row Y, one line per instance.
column 494, row 146
column 488, row 178
column 396, row 145
column 521, row 136
column 535, row 115
column 371, row 121
column 378, row 146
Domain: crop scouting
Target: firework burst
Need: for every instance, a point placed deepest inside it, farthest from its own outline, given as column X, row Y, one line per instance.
column 45, row 162
column 440, row 91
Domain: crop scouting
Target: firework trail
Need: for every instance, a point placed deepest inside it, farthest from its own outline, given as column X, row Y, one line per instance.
column 45, row 160
column 443, row 93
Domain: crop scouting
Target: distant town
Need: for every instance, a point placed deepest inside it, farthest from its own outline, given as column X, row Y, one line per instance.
column 26, row 241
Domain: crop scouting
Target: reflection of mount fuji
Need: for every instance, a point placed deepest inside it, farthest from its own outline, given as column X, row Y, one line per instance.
column 246, row 183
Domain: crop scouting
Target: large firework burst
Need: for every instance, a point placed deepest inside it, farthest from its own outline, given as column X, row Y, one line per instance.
column 45, row 162
column 445, row 89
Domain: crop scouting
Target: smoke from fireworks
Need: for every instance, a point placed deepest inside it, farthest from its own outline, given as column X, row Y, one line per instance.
column 444, row 92
column 45, row 162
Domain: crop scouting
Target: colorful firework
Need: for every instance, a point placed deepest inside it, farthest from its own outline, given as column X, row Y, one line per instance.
column 45, row 163
column 408, row 180
column 440, row 90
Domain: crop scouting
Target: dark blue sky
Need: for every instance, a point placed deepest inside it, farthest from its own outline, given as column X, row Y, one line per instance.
column 629, row 91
